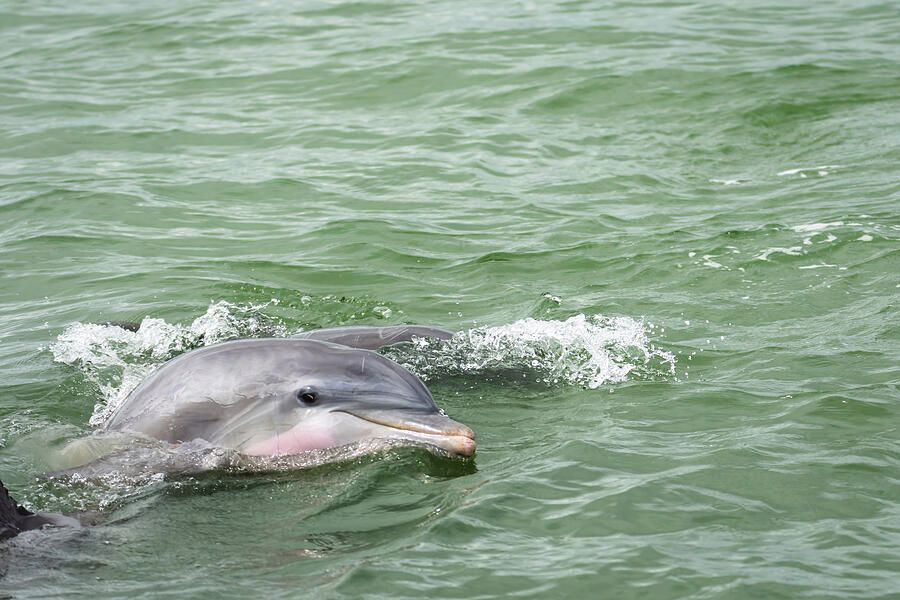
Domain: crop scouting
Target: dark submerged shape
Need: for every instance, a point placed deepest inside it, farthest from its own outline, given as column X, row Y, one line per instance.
column 14, row 518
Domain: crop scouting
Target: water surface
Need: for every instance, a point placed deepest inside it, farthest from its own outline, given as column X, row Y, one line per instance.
column 666, row 232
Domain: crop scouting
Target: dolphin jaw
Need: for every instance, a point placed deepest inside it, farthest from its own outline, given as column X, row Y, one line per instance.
column 427, row 429
column 433, row 424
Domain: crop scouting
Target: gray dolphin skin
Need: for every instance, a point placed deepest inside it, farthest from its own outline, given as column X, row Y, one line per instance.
column 284, row 396
column 372, row 338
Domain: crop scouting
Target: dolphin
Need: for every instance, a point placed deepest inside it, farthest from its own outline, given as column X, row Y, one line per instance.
column 275, row 397
column 14, row 519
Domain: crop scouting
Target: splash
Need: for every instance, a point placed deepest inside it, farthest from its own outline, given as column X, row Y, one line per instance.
column 116, row 359
column 589, row 351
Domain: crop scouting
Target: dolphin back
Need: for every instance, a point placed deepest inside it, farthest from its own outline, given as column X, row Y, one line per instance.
column 372, row 338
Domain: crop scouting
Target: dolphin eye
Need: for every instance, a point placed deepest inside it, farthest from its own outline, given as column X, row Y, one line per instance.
column 308, row 395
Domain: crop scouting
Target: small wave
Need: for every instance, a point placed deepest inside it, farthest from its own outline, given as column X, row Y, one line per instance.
column 816, row 227
column 814, row 238
column 735, row 181
column 791, row 251
column 821, row 171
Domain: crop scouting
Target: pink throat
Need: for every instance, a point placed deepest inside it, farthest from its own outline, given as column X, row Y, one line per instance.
column 291, row 442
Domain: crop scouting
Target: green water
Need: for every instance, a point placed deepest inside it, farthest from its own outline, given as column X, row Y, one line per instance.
column 719, row 179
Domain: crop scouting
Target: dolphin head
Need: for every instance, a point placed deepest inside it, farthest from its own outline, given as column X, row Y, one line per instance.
column 337, row 396
column 279, row 397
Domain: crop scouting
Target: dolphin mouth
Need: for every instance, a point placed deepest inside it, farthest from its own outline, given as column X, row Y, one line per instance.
column 433, row 429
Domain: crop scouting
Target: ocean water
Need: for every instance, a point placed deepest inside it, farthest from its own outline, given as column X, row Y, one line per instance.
column 665, row 232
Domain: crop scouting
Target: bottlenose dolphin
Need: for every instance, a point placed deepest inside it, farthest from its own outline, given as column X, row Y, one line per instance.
column 266, row 398
column 273, row 397
column 14, row 519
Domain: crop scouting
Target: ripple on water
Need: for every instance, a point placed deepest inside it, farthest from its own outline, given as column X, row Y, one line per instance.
column 726, row 169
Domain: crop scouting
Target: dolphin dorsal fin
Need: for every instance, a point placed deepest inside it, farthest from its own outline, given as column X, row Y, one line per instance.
column 373, row 338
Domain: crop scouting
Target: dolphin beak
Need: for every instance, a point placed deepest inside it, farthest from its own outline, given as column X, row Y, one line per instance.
column 433, row 429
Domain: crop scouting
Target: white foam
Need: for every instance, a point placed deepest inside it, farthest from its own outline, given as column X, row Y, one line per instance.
column 582, row 350
column 792, row 251
column 116, row 359
column 729, row 181
column 816, row 227
column 802, row 171
column 709, row 262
